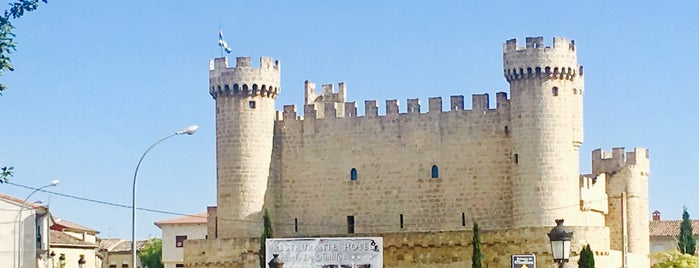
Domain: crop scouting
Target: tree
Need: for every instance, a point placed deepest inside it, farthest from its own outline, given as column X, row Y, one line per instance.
column 7, row 46
column 587, row 258
column 674, row 259
column 267, row 232
column 477, row 258
column 151, row 254
column 687, row 243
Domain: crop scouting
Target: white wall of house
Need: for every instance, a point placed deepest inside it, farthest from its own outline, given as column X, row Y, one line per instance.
column 72, row 255
column 172, row 255
column 11, row 224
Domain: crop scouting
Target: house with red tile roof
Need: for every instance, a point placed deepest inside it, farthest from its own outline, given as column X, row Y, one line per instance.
column 664, row 233
column 24, row 228
column 174, row 233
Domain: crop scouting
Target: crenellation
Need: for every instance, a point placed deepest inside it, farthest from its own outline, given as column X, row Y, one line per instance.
column 480, row 102
column 309, row 112
column 535, row 42
column 330, row 112
column 413, row 106
column 350, row 109
column 242, row 62
column 457, row 102
column 501, row 100
column 435, row 105
column 392, row 107
column 371, row 109
column 618, row 158
column 289, row 112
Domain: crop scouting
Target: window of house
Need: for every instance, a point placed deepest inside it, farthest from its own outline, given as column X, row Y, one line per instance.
column 435, row 172
column 353, row 174
column 350, row 224
column 179, row 240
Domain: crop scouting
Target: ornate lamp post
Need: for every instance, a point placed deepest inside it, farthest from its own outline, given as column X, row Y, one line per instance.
column 560, row 243
column 189, row 131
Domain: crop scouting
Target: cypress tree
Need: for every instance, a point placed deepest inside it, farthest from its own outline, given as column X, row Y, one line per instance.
column 477, row 258
column 266, row 233
column 587, row 258
column 687, row 243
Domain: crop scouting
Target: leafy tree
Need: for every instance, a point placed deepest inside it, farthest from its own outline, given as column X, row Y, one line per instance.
column 687, row 243
column 7, row 42
column 151, row 254
column 477, row 258
column 674, row 259
column 7, row 46
column 267, row 232
column 587, row 258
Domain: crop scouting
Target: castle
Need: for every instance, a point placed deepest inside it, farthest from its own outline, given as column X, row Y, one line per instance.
column 419, row 179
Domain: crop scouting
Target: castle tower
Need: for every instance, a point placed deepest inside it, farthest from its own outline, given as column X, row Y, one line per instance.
column 546, row 86
column 244, row 131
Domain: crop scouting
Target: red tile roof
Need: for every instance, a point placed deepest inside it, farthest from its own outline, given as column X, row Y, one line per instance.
column 61, row 224
column 19, row 201
column 199, row 218
column 670, row 227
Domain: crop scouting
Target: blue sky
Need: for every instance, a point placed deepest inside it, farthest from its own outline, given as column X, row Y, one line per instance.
column 97, row 82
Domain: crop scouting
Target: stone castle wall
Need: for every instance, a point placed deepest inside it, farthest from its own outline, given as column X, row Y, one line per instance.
column 393, row 156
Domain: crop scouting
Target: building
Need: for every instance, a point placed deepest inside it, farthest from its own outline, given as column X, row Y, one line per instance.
column 664, row 233
column 174, row 233
column 73, row 244
column 116, row 253
column 420, row 177
column 28, row 223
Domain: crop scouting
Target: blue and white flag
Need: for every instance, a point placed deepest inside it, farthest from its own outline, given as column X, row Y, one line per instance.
column 222, row 43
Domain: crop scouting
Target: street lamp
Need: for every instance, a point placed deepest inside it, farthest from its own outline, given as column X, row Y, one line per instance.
column 189, row 131
column 560, row 243
column 19, row 215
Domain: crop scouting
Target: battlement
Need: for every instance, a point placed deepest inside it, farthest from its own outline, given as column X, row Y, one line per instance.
column 238, row 80
column 618, row 158
column 327, row 95
column 481, row 106
column 537, row 61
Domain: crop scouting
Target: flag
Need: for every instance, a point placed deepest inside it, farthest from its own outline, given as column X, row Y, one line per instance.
column 222, row 43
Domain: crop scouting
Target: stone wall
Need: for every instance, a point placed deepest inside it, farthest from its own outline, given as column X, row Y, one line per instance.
column 426, row 249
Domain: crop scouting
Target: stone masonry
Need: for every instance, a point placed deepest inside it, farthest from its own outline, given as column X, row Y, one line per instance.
column 420, row 179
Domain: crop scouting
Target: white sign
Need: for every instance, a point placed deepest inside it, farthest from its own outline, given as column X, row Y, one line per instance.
column 336, row 252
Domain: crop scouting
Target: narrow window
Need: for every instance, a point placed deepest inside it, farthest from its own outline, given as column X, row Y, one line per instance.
column 507, row 131
column 401, row 221
column 353, row 174
column 463, row 219
column 554, row 91
column 516, row 159
column 179, row 265
column 179, row 240
column 252, row 104
column 435, row 172
column 350, row 224
column 296, row 225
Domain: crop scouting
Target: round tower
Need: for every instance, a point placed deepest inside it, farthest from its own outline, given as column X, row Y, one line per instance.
column 244, row 131
column 546, row 87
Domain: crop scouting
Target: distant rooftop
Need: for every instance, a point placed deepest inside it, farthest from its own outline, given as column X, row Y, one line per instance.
column 670, row 227
column 64, row 225
column 199, row 218
column 58, row 238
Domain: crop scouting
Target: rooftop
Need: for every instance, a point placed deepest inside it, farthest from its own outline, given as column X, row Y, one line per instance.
column 61, row 225
column 199, row 218
column 58, row 238
column 670, row 227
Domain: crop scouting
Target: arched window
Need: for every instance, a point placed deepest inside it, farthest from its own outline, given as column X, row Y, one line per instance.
column 235, row 88
column 554, row 91
column 353, row 174
column 435, row 172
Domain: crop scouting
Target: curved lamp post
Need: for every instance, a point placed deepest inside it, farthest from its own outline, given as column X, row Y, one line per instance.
column 189, row 131
column 560, row 243
column 19, row 225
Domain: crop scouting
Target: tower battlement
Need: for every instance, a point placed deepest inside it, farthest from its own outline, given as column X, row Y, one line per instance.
column 244, row 79
column 618, row 158
column 480, row 106
column 536, row 61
